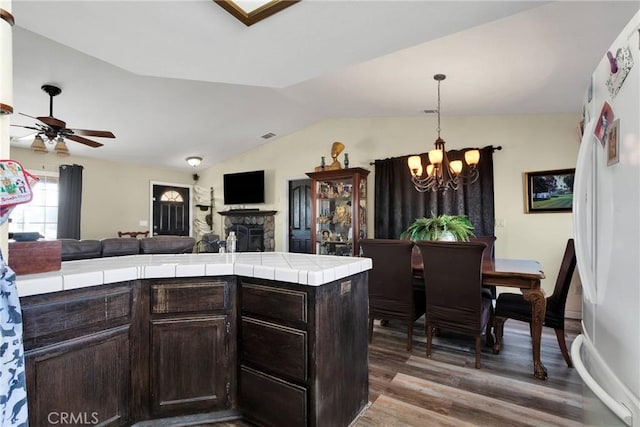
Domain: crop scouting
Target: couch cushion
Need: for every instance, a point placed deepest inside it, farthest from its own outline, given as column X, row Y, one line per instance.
column 167, row 245
column 117, row 246
column 72, row 249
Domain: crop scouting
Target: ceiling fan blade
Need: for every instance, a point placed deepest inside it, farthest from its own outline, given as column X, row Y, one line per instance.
column 20, row 138
column 84, row 141
column 28, row 116
column 52, row 121
column 26, row 127
column 99, row 133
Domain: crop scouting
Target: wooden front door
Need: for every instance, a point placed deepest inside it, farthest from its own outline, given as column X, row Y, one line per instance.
column 171, row 214
column 300, row 216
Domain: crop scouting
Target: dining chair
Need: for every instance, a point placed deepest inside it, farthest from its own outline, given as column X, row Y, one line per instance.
column 487, row 256
column 514, row 306
column 453, row 289
column 391, row 294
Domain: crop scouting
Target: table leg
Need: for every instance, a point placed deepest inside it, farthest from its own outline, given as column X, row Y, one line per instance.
column 538, row 310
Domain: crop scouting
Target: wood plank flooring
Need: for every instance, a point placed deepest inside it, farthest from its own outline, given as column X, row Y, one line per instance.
column 408, row 389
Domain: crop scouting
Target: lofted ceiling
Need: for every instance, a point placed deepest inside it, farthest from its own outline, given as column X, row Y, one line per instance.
column 173, row 79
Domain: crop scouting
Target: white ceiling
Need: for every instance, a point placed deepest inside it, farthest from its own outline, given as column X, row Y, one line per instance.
column 177, row 78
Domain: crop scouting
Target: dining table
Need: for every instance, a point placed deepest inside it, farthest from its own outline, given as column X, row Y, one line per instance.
column 524, row 274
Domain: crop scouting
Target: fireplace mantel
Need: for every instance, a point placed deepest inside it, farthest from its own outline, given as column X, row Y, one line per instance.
column 246, row 212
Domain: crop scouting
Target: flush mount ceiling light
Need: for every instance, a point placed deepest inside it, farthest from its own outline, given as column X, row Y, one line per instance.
column 252, row 11
column 194, row 161
column 442, row 174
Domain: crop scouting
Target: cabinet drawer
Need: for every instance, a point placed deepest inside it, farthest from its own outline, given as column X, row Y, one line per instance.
column 275, row 348
column 75, row 313
column 188, row 297
column 275, row 303
column 270, row 401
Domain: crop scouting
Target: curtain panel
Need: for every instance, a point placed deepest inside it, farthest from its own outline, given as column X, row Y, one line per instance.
column 398, row 203
column 69, row 201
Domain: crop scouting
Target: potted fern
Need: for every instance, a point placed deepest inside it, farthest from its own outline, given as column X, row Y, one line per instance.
column 440, row 227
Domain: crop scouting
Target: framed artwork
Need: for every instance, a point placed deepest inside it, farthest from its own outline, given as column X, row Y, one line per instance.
column 549, row 191
column 613, row 148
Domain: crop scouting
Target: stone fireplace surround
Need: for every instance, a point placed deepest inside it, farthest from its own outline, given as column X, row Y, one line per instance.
column 252, row 220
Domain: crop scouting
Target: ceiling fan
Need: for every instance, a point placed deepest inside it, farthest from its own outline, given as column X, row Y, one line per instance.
column 56, row 130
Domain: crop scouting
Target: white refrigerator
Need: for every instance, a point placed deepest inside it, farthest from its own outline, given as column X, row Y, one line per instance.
column 606, row 210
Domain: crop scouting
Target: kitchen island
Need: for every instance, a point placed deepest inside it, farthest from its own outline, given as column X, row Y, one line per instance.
column 273, row 338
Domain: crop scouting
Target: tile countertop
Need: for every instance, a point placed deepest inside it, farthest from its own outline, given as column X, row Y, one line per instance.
column 304, row 269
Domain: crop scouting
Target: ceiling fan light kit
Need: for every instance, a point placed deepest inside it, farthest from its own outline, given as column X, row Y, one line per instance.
column 38, row 145
column 61, row 148
column 56, row 130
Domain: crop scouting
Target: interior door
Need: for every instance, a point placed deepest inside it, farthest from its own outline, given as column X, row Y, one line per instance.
column 171, row 214
column 300, row 216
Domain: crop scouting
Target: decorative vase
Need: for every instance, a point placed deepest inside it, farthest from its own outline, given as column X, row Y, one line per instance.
column 447, row 236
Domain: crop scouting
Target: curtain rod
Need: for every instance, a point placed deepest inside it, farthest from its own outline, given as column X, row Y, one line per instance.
column 497, row 148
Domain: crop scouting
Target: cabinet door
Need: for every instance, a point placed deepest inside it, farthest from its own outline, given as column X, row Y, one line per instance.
column 84, row 381
column 189, row 366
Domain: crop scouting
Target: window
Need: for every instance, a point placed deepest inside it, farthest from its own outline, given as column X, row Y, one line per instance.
column 41, row 213
column 171, row 196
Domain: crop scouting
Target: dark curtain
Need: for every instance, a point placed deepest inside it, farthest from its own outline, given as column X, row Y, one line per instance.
column 398, row 203
column 69, row 201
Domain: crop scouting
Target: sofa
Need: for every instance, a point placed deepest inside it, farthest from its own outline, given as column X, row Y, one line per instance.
column 73, row 249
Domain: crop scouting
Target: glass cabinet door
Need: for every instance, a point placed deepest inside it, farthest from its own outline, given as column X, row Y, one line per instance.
column 340, row 211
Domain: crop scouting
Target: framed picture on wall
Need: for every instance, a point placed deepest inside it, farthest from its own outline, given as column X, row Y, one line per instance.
column 549, row 191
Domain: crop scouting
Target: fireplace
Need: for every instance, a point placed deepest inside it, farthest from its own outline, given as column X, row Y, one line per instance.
column 254, row 229
column 250, row 238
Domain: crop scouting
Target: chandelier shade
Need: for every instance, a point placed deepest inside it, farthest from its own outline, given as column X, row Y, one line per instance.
column 441, row 173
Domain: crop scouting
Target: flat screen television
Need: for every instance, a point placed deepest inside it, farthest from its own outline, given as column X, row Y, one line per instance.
column 243, row 188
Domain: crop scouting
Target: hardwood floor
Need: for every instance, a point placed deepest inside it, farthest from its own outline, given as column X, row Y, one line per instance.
column 408, row 389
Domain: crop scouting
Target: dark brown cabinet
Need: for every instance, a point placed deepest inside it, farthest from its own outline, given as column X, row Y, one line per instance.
column 191, row 356
column 115, row 354
column 77, row 356
column 289, row 355
column 295, row 342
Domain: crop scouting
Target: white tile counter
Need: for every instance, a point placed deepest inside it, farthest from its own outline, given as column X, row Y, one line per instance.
column 304, row 269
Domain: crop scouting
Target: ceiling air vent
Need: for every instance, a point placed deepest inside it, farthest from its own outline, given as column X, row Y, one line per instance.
column 268, row 135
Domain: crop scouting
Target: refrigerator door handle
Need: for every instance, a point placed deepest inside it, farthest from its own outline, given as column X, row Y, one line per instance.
column 583, row 213
column 616, row 407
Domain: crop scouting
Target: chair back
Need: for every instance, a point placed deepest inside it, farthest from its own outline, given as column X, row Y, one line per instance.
column 453, row 285
column 390, row 290
column 557, row 301
column 489, row 252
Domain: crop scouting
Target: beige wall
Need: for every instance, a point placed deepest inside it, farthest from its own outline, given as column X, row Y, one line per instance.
column 116, row 195
column 530, row 143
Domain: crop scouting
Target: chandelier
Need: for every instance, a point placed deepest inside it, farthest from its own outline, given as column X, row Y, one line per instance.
column 442, row 174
